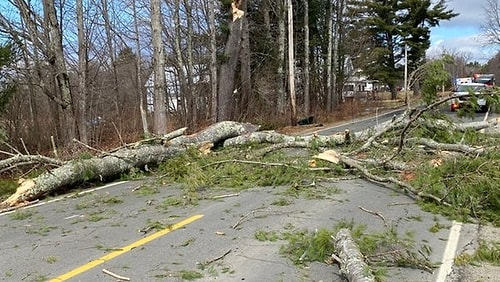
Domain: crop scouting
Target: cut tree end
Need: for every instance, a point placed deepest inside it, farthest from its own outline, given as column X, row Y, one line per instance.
column 23, row 194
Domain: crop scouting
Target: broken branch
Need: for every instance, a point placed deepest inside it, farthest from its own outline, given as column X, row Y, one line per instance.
column 114, row 275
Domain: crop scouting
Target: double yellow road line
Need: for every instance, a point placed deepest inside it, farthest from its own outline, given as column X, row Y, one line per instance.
column 123, row 250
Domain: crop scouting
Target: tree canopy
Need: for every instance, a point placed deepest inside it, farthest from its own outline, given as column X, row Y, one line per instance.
column 394, row 24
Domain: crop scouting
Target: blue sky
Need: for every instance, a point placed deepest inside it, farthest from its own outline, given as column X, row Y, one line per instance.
column 462, row 34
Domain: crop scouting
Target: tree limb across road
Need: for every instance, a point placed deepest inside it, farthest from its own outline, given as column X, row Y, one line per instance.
column 110, row 165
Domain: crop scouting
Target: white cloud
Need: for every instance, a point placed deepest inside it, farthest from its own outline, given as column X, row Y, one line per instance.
column 471, row 13
column 462, row 34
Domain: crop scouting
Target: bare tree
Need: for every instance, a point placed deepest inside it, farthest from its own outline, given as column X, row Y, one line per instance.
column 305, row 70
column 191, row 94
column 281, row 56
column 246, row 78
column 328, row 62
column 291, row 66
column 228, row 67
column 160, row 108
column 213, row 61
column 112, row 58
column 144, row 119
column 82, row 74
column 55, row 57
column 491, row 27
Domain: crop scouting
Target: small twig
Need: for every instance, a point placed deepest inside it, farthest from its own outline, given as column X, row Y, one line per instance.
column 118, row 132
column 12, row 148
column 401, row 204
column 374, row 213
column 245, row 162
column 138, row 187
column 24, row 146
column 54, row 146
column 384, row 254
column 19, row 206
column 216, row 258
column 334, row 256
column 226, row 196
column 89, row 147
column 114, row 275
column 241, row 219
column 7, row 153
column 245, row 216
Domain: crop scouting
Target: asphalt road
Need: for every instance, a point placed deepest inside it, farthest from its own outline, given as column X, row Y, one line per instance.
column 76, row 237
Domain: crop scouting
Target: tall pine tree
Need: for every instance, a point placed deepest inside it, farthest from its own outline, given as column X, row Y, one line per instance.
column 392, row 24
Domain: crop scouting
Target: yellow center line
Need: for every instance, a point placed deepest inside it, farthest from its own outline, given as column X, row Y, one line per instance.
column 125, row 249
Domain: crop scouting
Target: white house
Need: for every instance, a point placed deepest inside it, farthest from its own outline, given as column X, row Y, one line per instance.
column 172, row 84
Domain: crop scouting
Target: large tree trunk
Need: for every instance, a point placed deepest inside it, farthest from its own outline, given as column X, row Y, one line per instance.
column 291, row 66
column 213, row 61
column 191, row 94
column 111, row 165
column 144, row 119
column 57, row 61
column 228, row 67
column 82, row 74
column 78, row 171
column 160, row 101
column 328, row 62
column 307, row 100
column 246, row 83
column 179, row 61
column 281, row 57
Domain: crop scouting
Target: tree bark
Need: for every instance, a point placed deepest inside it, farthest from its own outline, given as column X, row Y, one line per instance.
column 192, row 96
column 111, row 165
column 213, row 61
column 82, row 74
column 56, row 59
column 280, row 92
column 160, row 101
column 291, row 66
column 78, row 171
column 351, row 261
column 307, row 100
column 144, row 119
column 328, row 62
column 181, row 68
column 228, row 67
column 246, row 78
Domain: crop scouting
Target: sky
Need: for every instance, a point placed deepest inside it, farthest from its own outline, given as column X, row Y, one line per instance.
column 462, row 34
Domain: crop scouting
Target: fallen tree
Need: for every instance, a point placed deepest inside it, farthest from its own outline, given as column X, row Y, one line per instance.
column 352, row 264
column 108, row 166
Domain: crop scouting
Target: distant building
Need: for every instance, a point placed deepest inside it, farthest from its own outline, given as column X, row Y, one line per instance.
column 173, row 86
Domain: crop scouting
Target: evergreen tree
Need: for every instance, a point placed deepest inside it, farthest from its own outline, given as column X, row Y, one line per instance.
column 392, row 24
column 7, row 86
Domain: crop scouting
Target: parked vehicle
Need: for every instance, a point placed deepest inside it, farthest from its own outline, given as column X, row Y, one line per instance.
column 461, row 95
column 484, row 78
